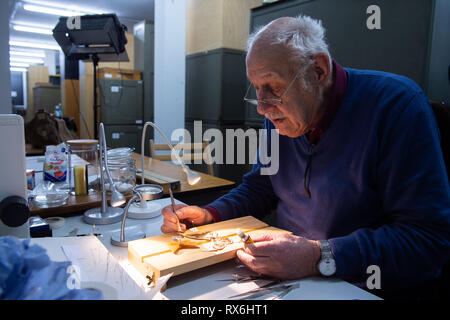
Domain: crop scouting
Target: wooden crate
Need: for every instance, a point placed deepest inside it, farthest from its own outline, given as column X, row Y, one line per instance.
column 116, row 73
column 154, row 257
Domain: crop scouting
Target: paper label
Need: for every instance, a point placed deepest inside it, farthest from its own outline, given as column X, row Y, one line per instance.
column 116, row 136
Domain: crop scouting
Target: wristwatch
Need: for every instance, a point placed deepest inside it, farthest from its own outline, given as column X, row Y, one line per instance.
column 326, row 265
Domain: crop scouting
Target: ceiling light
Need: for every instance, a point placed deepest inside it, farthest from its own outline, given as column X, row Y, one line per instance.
column 18, row 69
column 30, row 60
column 34, row 45
column 40, row 54
column 33, row 24
column 54, row 11
column 19, row 64
column 32, row 29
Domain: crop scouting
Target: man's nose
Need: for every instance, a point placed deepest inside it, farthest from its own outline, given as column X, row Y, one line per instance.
column 264, row 107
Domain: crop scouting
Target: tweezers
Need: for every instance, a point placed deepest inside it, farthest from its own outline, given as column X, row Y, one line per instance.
column 271, row 287
column 240, row 278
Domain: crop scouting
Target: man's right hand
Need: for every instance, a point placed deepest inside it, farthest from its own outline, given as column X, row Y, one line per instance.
column 186, row 215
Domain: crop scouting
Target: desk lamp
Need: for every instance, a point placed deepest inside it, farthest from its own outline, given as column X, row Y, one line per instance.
column 143, row 211
column 106, row 214
column 143, row 193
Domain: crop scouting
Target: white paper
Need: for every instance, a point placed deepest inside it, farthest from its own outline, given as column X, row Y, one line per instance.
column 74, row 255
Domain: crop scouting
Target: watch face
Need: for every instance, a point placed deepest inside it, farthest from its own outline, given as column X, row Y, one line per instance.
column 327, row 267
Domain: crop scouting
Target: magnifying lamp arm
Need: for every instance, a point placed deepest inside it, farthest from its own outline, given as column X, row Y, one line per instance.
column 180, row 161
column 143, row 203
column 125, row 212
column 105, row 154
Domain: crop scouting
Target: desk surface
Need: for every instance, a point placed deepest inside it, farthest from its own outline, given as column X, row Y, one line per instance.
column 199, row 284
column 83, row 203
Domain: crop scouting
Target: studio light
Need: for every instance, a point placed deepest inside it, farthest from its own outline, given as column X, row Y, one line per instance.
column 92, row 37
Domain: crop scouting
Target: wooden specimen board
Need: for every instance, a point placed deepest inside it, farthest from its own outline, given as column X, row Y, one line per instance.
column 154, row 257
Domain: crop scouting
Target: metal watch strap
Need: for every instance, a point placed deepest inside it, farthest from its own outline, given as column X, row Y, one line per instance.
column 325, row 250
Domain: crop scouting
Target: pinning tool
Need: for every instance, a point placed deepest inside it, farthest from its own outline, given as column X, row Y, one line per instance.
column 173, row 208
column 245, row 237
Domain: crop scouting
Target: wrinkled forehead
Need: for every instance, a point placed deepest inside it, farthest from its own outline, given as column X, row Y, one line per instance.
column 265, row 60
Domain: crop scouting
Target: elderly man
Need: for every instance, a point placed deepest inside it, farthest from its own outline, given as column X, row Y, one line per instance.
column 361, row 178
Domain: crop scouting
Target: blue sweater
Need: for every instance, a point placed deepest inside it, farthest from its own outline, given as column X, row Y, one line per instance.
column 379, row 188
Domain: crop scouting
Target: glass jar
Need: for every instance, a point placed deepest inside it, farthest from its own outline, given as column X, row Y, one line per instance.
column 123, row 170
column 83, row 154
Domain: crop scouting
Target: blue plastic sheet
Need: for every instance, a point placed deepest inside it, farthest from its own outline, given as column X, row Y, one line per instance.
column 27, row 273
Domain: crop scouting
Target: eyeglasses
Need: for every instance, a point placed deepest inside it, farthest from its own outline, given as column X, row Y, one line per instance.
column 273, row 101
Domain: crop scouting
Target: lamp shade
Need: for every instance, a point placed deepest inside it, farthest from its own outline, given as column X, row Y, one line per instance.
column 117, row 199
column 192, row 177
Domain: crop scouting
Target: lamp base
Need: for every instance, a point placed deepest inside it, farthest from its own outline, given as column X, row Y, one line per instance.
column 95, row 215
column 150, row 210
column 130, row 236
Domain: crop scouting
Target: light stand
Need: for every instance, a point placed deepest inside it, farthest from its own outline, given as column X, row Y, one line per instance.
column 97, row 37
column 95, row 60
column 138, row 211
column 106, row 214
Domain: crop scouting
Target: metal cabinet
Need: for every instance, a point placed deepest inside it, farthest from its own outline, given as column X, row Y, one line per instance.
column 215, row 86
column 121, row 112
column 121, row 101
column 121, row 136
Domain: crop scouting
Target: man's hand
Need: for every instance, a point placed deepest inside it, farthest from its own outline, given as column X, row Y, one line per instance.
column 282, row 256
column 186, row 214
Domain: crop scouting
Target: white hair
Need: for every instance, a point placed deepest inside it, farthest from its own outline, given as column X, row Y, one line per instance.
column 305, row 37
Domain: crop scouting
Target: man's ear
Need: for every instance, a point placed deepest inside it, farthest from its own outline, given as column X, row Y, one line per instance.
column 321, row 68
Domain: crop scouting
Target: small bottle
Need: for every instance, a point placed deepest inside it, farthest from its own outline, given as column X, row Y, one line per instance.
column 58, row 111
column 245, row 237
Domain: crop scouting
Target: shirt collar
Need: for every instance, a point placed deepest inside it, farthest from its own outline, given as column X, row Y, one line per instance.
column 332, row 102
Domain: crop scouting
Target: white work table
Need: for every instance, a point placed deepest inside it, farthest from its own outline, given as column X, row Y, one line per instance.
column 199, row 284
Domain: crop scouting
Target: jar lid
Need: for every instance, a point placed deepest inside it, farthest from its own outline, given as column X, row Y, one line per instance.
column 119, row 153
column 82, row 142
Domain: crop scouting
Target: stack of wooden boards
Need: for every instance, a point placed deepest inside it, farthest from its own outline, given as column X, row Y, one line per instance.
column 154, row 257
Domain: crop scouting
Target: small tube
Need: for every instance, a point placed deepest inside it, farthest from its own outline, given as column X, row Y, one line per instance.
column 245, row 237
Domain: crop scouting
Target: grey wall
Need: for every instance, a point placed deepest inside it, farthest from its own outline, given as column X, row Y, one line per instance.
column 5, row 87
column 438, row 86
